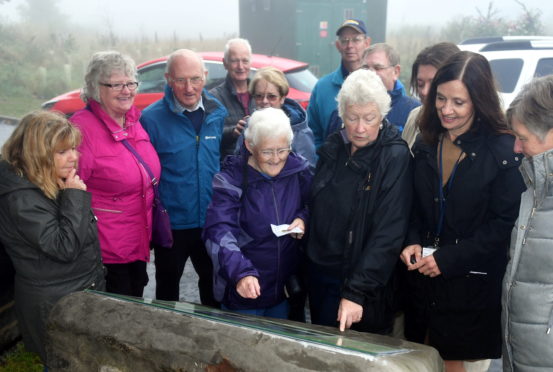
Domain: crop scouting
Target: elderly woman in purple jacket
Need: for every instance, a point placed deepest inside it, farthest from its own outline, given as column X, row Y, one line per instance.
column 259, row 190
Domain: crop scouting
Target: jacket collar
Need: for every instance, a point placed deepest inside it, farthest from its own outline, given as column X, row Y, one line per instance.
column 118, row 134
column 536, row 172
column 208, row 101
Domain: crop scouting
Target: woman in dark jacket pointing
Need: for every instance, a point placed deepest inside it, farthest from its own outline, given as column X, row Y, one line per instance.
column 46, row 223
column 359, row 212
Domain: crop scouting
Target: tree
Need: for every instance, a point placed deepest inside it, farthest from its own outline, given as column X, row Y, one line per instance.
column 490, row 23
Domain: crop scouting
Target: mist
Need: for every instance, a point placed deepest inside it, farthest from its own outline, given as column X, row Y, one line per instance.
column 219, row 18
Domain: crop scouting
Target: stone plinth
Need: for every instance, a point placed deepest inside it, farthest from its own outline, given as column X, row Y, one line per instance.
column 96, row 332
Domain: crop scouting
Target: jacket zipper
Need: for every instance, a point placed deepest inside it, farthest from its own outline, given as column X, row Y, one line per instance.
column 107, row 210
column 198, row 179
column 278, row 240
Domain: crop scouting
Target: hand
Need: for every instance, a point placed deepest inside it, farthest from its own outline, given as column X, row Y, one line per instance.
column 298, row 222
column 349, row 312
column 410, row 251
column 73, row 181
column 239, row 128
column 248, row 287
column 429, row 267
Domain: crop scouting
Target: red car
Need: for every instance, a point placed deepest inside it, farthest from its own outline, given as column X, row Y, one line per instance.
column 152, row 80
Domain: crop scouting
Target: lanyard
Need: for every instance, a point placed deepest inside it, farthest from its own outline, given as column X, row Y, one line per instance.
column 441, row 219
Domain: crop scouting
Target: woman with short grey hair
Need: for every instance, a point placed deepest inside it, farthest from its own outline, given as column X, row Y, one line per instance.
column 256, row 218
column 362, row 90
column 527, row 316
column 119, row 165
column 359, row 212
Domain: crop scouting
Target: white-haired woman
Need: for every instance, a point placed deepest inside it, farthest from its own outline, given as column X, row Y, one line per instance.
column 264, row 186
column 121, row 186
column 360, row 206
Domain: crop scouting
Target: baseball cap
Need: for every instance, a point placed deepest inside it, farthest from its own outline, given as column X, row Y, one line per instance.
column 356, row 24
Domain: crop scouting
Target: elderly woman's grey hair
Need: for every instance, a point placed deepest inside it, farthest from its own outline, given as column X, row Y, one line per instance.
column 101, row 67
column 187, row 53
column 232, row 42
column 360, row 88
column 533, row 106
column 268, row 123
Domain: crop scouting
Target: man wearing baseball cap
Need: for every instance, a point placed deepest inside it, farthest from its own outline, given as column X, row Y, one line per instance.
column 351, row 42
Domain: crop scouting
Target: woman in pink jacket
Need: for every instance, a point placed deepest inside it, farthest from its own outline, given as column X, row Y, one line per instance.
column 122, row 192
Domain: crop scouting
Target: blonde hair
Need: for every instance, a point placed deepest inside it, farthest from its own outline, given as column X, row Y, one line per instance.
column 272, row 75
column 31, row 147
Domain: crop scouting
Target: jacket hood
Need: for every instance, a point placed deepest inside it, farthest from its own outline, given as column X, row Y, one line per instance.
column 234, row 165
column 295, row 112
column 10, row 181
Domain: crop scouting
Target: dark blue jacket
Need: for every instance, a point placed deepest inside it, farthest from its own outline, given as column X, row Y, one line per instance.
column 238, row 235
column 401, row 106
column 188, row 160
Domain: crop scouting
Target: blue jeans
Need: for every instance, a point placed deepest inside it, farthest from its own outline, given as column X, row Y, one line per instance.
column 279, row 311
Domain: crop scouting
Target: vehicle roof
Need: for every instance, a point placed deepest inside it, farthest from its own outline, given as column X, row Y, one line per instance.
column 258, row 61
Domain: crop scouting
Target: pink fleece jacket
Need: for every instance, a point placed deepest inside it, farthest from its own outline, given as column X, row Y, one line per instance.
column 122, row 193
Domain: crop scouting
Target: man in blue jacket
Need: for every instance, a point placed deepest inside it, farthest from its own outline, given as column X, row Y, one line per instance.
column 185, row 127
column 352, row 41
column 384, row 60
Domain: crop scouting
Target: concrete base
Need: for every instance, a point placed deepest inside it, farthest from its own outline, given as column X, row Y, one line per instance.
column 94, row 332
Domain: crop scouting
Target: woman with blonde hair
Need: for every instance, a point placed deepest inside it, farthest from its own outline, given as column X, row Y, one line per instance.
column 46, row 224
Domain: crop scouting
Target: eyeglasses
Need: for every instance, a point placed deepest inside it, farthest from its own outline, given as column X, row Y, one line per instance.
column 377, row 68
column 270, row 97
column 194, row 81
column 119, row 86
column 281, row 153
column 353, row 40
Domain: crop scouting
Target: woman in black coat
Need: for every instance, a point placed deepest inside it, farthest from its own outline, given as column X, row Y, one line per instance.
column 361, row 192
column 467, row 194
column 46, row 223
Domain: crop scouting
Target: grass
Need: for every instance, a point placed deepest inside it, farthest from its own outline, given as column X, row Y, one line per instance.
column 19, row 360
column 17, row 106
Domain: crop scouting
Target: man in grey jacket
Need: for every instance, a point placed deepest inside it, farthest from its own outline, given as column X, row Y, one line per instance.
column 233, row 92
column 528, row 282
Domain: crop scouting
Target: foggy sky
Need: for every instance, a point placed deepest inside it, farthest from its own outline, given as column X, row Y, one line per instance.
column 219, row 18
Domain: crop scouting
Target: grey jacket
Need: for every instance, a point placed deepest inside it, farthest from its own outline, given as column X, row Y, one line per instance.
column 528, row 282
column 53, row 245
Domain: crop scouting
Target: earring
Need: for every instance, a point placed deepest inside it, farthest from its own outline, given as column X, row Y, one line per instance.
column 381, row 125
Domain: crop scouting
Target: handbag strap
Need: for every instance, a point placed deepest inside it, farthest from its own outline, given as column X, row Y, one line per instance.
column 155, row 181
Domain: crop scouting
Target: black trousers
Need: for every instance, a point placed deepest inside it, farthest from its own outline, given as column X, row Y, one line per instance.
column 128, row 279
column 170, row 266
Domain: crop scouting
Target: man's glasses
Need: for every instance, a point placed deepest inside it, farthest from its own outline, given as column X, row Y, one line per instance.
column 194, row 81
column 353, row 40
column 119, row 86
column 377, row 68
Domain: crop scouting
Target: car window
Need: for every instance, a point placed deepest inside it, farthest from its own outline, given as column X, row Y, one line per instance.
column 545, row 67
column 216, row 74
column 302, row 80
column 506, row 73
column 152, row 78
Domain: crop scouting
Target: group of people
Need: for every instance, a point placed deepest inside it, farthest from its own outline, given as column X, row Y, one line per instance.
column 404, row 208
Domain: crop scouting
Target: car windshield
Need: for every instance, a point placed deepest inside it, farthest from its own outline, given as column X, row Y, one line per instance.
column 302, row 80
column 506, row 72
